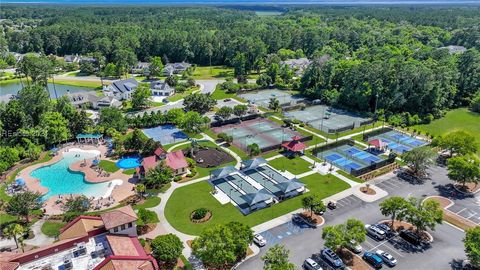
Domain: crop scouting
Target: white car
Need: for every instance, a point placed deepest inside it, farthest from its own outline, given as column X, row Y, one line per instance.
column 259, row 240
column 386, row 258
column 310, row 264
column 355, row 247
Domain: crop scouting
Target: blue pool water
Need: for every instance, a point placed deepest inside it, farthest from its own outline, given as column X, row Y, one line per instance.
column 60, row 180
column 129, row 163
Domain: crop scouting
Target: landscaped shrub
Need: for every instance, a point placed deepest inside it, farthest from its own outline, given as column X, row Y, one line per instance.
column 199, row 213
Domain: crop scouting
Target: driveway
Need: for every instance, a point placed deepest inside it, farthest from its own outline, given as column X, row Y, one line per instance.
column 444, row 252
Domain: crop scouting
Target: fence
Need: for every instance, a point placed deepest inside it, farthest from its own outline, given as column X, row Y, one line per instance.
column 234, row 120
column 341, row 129
column 333, row 145
column 374, row 166
column 376, row 132
column 277, row 146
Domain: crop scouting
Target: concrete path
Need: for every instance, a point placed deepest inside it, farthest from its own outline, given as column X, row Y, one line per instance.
column 40, row 239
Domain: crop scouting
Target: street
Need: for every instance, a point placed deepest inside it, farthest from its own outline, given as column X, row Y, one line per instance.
column 444, row 253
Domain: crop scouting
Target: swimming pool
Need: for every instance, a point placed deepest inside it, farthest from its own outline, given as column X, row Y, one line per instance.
column 129, row 163
column 60, row 180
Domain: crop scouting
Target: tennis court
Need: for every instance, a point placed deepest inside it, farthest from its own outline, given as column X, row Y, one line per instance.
column 327, row 119
column 349, row 157
column 262, row 98
column 399, row 142
column 165, row 134
column 263, row 132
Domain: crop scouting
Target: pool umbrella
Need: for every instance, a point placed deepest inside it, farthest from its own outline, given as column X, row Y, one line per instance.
column 95, row 162
column 54, row 149
column 20, row 181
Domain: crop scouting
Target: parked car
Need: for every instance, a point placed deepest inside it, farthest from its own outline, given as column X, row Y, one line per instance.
column 332, row 205
column 259, row 240
column 373, row 259
column 387, row 258
column 332, row 258
column 310, row 264
column 386, row 229
column 375, row 232
column 411, row 237
column 355, row 247
column 227, row 99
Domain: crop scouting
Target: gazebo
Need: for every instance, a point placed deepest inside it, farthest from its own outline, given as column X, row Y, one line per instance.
column 377, row 143
column 291, row 187
column 253, row 163
column 85, row 138
column 261, row 196
column 295, row 145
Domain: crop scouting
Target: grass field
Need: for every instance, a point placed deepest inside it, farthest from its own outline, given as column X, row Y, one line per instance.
column 179, row 96
column 186, row 199
column 66, row 81
column 202, row 73
column 459, row 119
column 295, row 165
column 148, row 203
column 351, row 177
column 52, row 228
column 108, row 166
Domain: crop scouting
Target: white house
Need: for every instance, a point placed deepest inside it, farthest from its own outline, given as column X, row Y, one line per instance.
column 175, row 68
column 160, row 88
column 121, row 89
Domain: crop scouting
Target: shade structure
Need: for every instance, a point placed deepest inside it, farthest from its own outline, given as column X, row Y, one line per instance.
column 294, row 146
column 95, row 162
column 260, row 196
column 289, row 186
column 20, row 181
column 253, row 163
column 222, row 172
column 377, row 143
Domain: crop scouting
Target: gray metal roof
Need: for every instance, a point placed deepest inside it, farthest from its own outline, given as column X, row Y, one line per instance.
column 253, row 163
column 258, row 197
column 291, row 185
column 222, row 172
column 124, row 85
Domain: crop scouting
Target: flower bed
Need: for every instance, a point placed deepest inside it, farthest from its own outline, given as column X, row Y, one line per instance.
column 200, row 215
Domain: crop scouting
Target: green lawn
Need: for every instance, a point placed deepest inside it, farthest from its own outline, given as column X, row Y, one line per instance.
column 148, row 203
column 52, row 228
column 186, row 199
column 179, row 96
column 351, row 177
column 459, row 119
column 219, row 94
column 6, row 218
column 129, row 171
column 202, row 73
column 108, row 166
column 295, row 165
column 89, row 84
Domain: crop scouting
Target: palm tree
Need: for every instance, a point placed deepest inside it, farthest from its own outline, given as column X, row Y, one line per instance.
column 274, row 104
column 12, row 231
column 140, row 189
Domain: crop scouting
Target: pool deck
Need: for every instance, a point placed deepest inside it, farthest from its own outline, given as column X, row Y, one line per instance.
column 118, row 193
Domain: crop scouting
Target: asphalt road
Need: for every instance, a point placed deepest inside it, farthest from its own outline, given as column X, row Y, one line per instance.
column 444, row 253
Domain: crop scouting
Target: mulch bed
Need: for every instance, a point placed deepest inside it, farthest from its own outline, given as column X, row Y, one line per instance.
column 368, row 191
column 353, row 261
column 402, row 225
column 146, row 228
column 212, row 157
column 316, row 219
column 468, row 188
column 204, row 219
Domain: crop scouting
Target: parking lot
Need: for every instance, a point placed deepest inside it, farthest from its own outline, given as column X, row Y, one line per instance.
column 446, row 252
column 468, row 208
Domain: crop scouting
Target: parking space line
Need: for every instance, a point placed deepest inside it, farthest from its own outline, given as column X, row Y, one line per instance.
column 383, row 244
column 394, row 250
column 460, row 211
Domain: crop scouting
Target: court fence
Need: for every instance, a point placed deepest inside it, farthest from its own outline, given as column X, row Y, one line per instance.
column 341, row 129
column 234, row 120
column 278, row 146
column 333, row 145
column 374, row 166
column 376, row 132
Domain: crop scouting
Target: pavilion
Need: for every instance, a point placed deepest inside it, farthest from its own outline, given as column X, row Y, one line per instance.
column 295, row 145
column 378, row 144
column 86, row 138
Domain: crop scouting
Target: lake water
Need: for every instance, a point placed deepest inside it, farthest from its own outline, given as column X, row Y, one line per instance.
column 13, row 88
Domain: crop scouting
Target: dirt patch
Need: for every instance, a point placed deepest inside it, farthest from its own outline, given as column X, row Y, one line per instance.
column 468, row 187
column 353, row 261
column 212, row 157
column 368, row 191
column 315, row 219
column 146, row 228
column 206, row 218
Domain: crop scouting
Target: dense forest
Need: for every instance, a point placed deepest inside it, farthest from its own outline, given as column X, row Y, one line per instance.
column 389, row 59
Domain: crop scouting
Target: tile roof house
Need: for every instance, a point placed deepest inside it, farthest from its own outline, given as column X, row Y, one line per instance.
column 159, row 88
column 89, row 242
column 177, row 162
column 121, row 89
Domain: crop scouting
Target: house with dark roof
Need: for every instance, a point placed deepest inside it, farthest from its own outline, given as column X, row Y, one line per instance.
column 91, row 100
column 105, row 242
column 159, row 88
column 297, row 65
column 141, row 68
column 175, row 68
column 121, row 89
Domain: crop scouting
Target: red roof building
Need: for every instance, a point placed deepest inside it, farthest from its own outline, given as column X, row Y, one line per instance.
column 160, row 152
column 377, row 143
column 177, row 162
column 295, row 145
column 148, row 163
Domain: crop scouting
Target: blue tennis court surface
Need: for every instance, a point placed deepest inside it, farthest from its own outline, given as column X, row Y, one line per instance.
column 349, row 158
column 399, row 142
column 166, row 134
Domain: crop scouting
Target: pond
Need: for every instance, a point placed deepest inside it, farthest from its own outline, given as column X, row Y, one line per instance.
column 13, row 88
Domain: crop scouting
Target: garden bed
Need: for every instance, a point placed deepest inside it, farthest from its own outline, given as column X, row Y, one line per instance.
column 402, row 225
column 368, row 191
column 212, row 157
column 312, row 219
